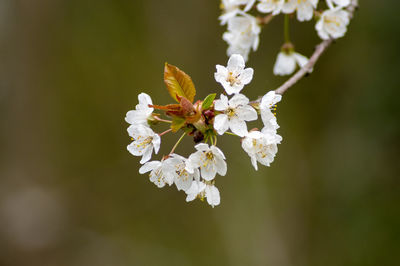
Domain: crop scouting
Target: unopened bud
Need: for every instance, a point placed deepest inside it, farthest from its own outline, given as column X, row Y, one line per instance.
column 198, row 136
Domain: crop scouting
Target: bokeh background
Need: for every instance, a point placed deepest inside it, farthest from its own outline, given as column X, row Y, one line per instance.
column 70, row 193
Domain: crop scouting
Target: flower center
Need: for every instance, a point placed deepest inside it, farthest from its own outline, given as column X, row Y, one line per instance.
column 230, row 112
column 232, row 79
column 208, row 158
column 158, row 173
column 332, row 20
column 143, row 142
column 209, row 155
column 181, row 171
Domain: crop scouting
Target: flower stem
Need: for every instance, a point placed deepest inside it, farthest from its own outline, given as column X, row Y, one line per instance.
column 177, row 143
column 165, row 132
column 162, row 120
column 232, row 134
column 215, row 142
column 286, row 29
column 212, row 140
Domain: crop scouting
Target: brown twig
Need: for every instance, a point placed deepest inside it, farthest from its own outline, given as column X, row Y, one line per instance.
column 265, row 20
column 319, row 50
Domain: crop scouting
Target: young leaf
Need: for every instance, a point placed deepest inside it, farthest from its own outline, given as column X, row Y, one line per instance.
column 177, row 123
column 208, row 101
column 178, row 83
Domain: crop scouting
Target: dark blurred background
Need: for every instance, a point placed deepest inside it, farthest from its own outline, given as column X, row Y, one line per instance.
column 70, row 193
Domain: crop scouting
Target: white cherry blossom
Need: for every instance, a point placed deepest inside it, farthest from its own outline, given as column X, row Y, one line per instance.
column 175, row 170
column 142, row 112
column 242, row 35
column 157, row 173
column 199, row 189
column 261, row 147
column 235, row 112
column 232, row 8
column 210, row 160
column 234, row 76
column 268, row 101
column 144, row 141
column 333, row 23
column 195, row 190
column 270, row 6
column 286, row 62
column 304, row 8
column 212, row 195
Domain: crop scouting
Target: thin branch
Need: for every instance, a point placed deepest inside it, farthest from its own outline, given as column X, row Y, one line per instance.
column 177, row 143
column 165, row 132
column 319, row 50
column 265, row 20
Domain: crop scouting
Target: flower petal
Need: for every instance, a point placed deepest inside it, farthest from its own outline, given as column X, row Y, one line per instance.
column 222, row 104
column 221, row 123
column 301, row 59
column 147, row 154
column 201, row 147
column 208, row 172
column 235, row 63
column 238, row 99
column 247, row 75
column 149, row 166
column 221, row 166
column 238, row 127
column 247, row 113
column 212, row 195
column 285, row 64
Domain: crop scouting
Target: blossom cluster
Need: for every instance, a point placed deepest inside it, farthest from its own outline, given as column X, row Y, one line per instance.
column 205, row 121
column 244, row 25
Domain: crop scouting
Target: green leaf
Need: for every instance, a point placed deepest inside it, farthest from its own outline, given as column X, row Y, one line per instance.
column 177, row 123
column 208, row 101
column 178, row 83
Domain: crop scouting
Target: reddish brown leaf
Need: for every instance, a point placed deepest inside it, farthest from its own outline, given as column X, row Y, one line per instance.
column 178, row 83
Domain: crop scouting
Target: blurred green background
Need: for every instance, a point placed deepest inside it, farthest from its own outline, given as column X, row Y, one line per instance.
column 70, row 193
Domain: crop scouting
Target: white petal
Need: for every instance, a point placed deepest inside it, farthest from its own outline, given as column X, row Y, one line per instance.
column 212, row 195
column 134, row 117
column 149, row 166
column 222, row 104
column 191, row 197
column 145, row 99
column 221, row 73
column 305, row 11
column 238, row 127
column 221, row 123
column 342, row 2
column 201, row 147
column 301, row 59
column 289, row 6
column 238, row 99
column 132, row 148
column 146, row 154
column 247, row 113
column 270, row 98
column 235, row 63
column 193, row 189
column 284, row 65
column 156, row 143
column 247, row 75
column 221, row 166
column 208, row 172
column 217, row 152
column 254, row 162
